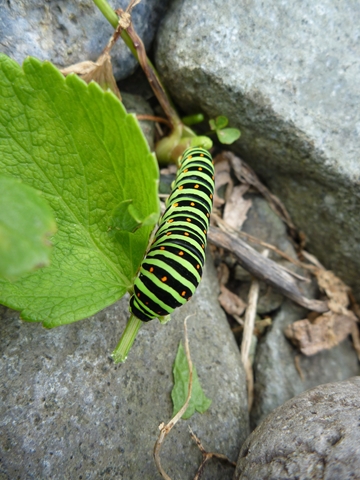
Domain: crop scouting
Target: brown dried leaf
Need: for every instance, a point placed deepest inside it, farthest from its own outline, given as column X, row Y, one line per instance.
column 324, row 333
column 223, row 182
column 223, row 273
column 231, row 303
column 335, row 289
column 236, row 208
column 245, row 174
column 100, row 72
column 81, row 68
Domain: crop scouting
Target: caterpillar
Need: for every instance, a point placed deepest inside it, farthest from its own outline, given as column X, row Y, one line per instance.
column 172, row 268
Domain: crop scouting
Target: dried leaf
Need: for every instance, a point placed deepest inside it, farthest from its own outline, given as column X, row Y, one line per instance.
column 100, row 72
column 327, row 331
column 231, row 303
column 223, row 182
column 245, row 174
column 335, row 289
column 236, row 208
column 223, row 273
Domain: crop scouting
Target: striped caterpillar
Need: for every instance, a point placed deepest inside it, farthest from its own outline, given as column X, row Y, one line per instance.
column 172, row 268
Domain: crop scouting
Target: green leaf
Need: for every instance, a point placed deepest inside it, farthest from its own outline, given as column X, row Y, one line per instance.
column 78, row 146
column 198, row 400
column 126, row 218
column 26, row 223
column 221, row 122
column 212, row 124
column 228, row 135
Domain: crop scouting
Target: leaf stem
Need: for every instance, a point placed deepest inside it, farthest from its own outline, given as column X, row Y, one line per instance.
column 134, row 43
column 107, row 11
column 127, row 339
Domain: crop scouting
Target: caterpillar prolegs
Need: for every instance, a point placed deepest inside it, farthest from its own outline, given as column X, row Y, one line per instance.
column 172, row 268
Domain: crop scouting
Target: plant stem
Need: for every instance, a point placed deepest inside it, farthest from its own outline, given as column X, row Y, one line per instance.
column 134, row 43
column 107, row 11
column 127, row 339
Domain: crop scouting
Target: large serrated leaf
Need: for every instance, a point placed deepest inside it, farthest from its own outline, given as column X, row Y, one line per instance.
column 79, row 147
column 26, row 223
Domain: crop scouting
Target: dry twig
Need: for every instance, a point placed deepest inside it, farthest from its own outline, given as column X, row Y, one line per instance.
column 264, row 269
column 249, row 324
column 207, row 456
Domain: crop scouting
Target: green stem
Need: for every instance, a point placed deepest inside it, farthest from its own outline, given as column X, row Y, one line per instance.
column 144, row 61
column 107, row 11
column 113, row 19
column 127, row 339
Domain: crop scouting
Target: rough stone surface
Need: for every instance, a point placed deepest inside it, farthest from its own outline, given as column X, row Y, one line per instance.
column 295, row 97
column 276, row 377
column 137, row 105
column 68, row 31
column 67, row 411
column 315, row 435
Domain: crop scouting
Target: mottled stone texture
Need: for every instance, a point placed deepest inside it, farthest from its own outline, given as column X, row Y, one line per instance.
column 67, row 411
column 287, row 74
column 71, row 31
column 316, row 436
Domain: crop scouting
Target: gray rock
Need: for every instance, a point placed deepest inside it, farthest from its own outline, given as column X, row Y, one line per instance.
column 68, row 31
column 316, row 436
column 295, row 97
column 68, row 412
column 137, row 105
column 276, row 377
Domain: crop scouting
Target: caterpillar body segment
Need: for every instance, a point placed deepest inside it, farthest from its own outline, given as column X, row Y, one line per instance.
column 172, row 268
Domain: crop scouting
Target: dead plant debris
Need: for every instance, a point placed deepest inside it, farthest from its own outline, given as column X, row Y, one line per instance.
column 331, row 319
column 207, row 456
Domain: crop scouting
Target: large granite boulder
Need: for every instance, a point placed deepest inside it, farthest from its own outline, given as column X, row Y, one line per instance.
column 287, row 74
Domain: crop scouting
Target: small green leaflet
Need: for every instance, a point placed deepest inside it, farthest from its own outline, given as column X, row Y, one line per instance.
column 226, row 136
column 26, row 224
column 75, row 144
column 198, row 400
column 219, row 122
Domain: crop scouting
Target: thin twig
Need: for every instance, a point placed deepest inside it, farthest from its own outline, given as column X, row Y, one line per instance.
column 165, row 429
column 227, row 228
column 298, row 367
column 207, row 456
column 249, row 324
column 153, row 118
column 152, row 78
column 264, row 269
